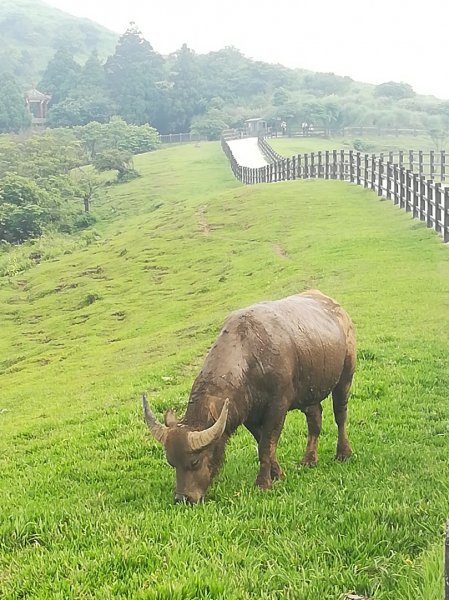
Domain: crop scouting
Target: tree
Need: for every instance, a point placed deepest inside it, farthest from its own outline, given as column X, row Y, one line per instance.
column 394, row 90
column 280, row 97
column 61, row 75
column 116, row 160
column 75, row 111
column 325, row 84
column 23, row 209
column 117, row 135
column 13, row 115
column 210, row 124
column 88, row 100
column 87, row 184
column 132, row 74
column 185, row 91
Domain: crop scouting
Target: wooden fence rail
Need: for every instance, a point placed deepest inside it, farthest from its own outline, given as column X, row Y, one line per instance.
column 181, row 138
column 392, row 176
column 446, row 564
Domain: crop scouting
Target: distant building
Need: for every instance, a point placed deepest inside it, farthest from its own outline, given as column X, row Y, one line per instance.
column 37, row 104
column 255, row 127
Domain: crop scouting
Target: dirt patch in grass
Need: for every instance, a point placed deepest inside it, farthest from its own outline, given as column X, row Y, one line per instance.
column 202, row 221
column 280, row 251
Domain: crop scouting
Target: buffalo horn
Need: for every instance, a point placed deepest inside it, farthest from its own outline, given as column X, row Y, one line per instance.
column 158, row 431
column 200, row 439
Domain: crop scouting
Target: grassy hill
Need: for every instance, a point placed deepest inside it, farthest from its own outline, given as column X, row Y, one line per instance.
column 31, row 31
column 86, row 496
column 374, row 144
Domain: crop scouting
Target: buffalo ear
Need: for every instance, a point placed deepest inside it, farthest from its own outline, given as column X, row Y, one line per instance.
column 170, row 419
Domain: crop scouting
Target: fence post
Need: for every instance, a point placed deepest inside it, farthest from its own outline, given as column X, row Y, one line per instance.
column 446, row 563
column 306, row 166
column 312, row 164
column 319, row 165
column 429, row 203
column 299, row 167
column 445, row 225
column 395, row 178
column 326, row 164
column 373, row 171
column 342, row 165
column 415, row 204
column 443, row 165
column 358, row 173
column 351, row 166
column 388, row 182
column 365, row 170
column 410, row 160
column 432, row 164
column 402, row 188
column 408, row 193
column 420, row 163
column 334, row 164
column 380, row 175
column 422, row 198
column 401, row 158
column 293, row 174
column 287, row 166
column 438, row 207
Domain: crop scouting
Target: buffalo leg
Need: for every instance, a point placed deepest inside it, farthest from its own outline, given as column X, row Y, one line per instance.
column 275, row 470
column 340, row 405
column 313, row 416
column 269, row 436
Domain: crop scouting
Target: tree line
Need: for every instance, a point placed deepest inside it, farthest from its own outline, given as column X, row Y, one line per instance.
column 48, row 180
column 185, row 91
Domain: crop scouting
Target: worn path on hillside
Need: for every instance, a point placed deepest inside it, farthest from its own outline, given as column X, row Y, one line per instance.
column 247, row 152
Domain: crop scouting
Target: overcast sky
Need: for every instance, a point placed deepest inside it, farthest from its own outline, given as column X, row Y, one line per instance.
column 372, row 41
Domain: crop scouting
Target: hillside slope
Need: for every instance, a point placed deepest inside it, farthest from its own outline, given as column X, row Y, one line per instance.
column 85, row 495
column 31, row 31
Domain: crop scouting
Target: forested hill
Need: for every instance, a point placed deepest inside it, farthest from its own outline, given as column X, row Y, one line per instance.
column 92, row 74
column 31, row 31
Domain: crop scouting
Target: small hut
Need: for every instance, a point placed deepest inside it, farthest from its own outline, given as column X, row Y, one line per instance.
column 37, row 104
column 255, row 127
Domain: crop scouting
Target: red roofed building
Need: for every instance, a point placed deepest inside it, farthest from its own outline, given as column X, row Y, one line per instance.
column 37, row 104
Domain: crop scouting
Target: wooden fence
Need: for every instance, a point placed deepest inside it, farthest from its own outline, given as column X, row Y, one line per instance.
column 357, row 131
column 181, row 138
column 389, row 175
column 446, row 564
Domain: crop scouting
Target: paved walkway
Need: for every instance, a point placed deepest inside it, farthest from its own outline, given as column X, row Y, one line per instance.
column 247, row 153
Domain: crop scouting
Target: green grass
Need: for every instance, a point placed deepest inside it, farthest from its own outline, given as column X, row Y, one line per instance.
column 292, row 146
column 86, row 495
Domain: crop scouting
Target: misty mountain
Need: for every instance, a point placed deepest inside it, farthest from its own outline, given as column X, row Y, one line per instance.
column 31, row 32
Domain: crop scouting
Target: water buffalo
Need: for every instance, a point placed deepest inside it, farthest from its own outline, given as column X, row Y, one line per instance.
column 269, row 358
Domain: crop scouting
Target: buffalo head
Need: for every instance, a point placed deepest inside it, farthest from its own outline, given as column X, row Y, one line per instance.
column 194, row 454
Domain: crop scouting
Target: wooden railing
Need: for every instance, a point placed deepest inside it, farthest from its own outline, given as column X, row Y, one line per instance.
column 236, row 168
column 180, row 138
column 446, row 564
column 352, row 131
column 425, row 198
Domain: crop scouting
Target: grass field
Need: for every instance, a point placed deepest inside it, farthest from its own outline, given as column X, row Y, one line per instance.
column 86, row 495
column 291, row 146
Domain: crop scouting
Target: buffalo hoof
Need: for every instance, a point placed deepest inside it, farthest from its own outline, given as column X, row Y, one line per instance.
column 343, row 454
column 309, row 460
column 263, row 484
column 276, row 472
